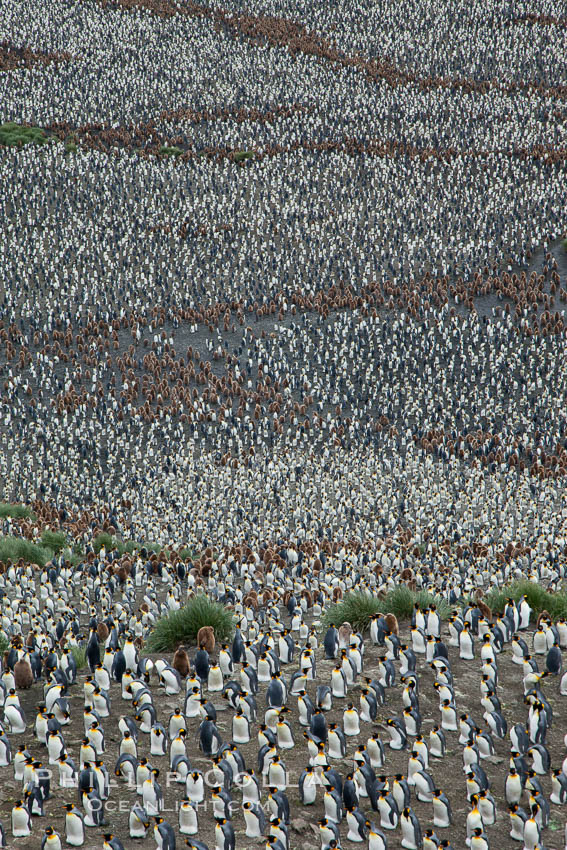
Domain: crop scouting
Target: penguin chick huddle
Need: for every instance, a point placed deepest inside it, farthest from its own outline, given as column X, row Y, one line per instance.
column 288, row 725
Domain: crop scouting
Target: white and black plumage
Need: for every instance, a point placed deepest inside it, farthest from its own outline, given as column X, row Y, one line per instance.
column 138, row 822
column 164, row 834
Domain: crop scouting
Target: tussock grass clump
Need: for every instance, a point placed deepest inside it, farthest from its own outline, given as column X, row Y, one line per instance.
column 14, row 548
column 15, row 136
column 564, row 243
column 170, row 150
column 401, row 602
column 54, row 540
column 241, row 156
column 102, row 539
column 538, row 599
column 182, row 626
column 358, row 607
column 14, row 510
column 186, row 553
column 79, row 653
column 75, row 558
column 4, row 643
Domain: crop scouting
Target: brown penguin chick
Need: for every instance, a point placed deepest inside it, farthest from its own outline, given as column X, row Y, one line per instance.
column 102, row 631
column 206, row 638
column 392, row 623
column 484, row 609
column 251, row 601
column 181, row 662
column 206, row 568
column 345, row 632
column 544, row 615
column 23, row 675
column 305, row 594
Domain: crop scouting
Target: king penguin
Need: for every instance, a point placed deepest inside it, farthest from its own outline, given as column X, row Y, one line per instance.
column 21, row 820
column 74, row 826
column 225, row 836
column 254, row 819
column 163, row 834
column 356, row 824
column 441, row 809
column 412, row 838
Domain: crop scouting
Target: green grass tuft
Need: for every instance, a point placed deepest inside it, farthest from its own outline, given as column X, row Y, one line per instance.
column 564, row 243
column 170, row 150
column 186, row 553
column 15, row 135
column 15, row 510
column 182, row 626
column 102, row 539
column 358, row 607
column 54, row 540
column 401, row 601
column 427, row 599
column 75, row 558
column 240, row 156
column 14, row 548
column 538, row 599
column 71, row 147
column 79, row 653
column 4, row 643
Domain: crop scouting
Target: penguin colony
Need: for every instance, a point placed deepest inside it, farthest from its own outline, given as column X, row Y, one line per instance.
column 339, row 365
column 391, row 306
column 442, row 726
